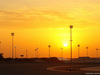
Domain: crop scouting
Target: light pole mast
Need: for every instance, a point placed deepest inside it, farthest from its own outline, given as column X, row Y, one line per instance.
column 0, row 47
column 12, row 34
column 15, row 51
column 78, row 51
column 71, row 26
column 37, row 52
column 49, row 50
column 97, row 52
column 62, row 53
column 87, row 51
column 26, row 54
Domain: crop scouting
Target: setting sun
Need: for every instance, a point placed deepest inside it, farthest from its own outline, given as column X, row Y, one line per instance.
column 65, row 45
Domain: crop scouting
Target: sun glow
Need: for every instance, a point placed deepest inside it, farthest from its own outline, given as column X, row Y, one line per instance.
column 65, row 45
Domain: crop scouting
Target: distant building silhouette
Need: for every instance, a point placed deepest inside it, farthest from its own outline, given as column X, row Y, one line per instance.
column 1, row 56
column 86, row 60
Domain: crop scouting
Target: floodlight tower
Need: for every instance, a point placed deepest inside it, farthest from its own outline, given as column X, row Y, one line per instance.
column 71, row 26
column 12, row 34
column 97, row 52
column 49, row 50
column 26, row 53
column 62, row 53
column 0, row 47
column 87, row 51
column 78, row 51
column 15, row 51
column 37, row 52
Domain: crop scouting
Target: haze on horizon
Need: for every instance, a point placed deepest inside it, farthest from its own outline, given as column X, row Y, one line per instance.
column 39, row 23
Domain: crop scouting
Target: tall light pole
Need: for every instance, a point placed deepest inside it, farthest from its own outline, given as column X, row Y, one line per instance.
column 37, row 52
column 26, row 54
column 15, row 51
column 0, row 46
column 78, row 51
column 12, row 34
column 49, row 50
column 71, row 26
column 62, row 53
column 87, row 51
column 97, row 52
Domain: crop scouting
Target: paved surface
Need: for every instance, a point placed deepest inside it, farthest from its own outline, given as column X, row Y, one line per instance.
column 97, row 68
column 33, row 69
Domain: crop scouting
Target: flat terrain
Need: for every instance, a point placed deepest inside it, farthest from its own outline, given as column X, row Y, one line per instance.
column 33, row 69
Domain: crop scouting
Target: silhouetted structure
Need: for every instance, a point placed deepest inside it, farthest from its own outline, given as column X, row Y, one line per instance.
column 78, row 51
column 1, row 56
column 62, row 53
column 49, row 50
column 97, row 52
column 71, row 26
column 36, row 52
column 15, row 51
column 26, row 54
column 22, row 55
column 12, row 34
column 87, row 51
column 34, row 60
column 86, row 60
column 0, row 46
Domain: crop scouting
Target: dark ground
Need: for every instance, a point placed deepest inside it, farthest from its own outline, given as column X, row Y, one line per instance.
column 33, row 69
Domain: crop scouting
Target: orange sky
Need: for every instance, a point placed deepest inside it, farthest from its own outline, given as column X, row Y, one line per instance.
column 38, row 23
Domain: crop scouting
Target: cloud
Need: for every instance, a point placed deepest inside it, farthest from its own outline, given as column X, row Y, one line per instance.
column 32, row 18
column 35, row 18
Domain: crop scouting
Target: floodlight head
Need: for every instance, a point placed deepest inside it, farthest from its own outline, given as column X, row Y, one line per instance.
column 49, row 45
column 78, row 45
column 61, row 48
column 71, row 26
column 12, row 34
column 97, row 49
column 86, row 47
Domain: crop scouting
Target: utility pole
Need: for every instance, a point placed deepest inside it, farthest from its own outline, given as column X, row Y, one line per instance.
column 71, row 26
column 12, row 34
